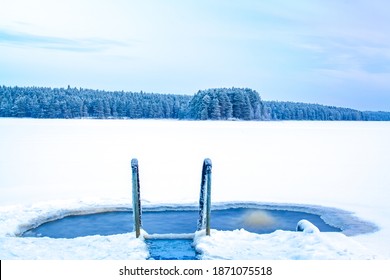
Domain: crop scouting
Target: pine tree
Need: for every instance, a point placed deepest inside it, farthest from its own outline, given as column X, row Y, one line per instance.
column 225, row 105
column 215, row 109
column 204, row 108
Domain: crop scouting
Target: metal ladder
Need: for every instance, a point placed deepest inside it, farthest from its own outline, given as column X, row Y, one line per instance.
column 204, row 199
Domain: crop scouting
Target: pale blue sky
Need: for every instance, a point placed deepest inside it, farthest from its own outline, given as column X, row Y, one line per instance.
column 333, row 52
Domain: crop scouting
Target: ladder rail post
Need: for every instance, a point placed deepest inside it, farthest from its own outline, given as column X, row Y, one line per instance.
column 208, row 200
column 205, row 197
column 136, row 197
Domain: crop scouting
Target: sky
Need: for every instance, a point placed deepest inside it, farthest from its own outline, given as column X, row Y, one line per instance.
column 333, row 52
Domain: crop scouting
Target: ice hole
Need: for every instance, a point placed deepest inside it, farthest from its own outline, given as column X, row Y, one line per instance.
column 163, row 221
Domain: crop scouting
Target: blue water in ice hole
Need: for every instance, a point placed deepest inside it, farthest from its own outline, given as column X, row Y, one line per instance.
column 172, row 221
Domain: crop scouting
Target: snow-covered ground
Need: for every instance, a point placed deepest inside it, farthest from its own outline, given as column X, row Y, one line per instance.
column 49, row 168
column 280, row 245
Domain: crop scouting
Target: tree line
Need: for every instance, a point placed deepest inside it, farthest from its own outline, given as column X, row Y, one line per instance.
column 210, row 104
column 277, row 110
column 70, row 103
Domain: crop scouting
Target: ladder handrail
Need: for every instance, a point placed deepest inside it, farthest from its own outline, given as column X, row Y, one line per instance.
column 205, row 197
column 136, row 197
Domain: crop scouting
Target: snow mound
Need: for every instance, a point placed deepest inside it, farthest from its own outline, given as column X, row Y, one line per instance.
column 306, row 226
column 114, row 247
column 279, row 245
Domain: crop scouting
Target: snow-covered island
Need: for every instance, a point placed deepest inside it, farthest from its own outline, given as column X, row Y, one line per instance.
column 53, row 168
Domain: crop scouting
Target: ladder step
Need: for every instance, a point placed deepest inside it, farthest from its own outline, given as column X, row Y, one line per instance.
column 170, row 236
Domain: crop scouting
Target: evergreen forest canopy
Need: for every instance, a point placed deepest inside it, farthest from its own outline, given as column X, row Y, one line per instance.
column 210, row 104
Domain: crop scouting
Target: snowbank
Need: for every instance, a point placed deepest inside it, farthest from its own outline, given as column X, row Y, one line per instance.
column 279, row 245
column 307, row 227
column 114, row 247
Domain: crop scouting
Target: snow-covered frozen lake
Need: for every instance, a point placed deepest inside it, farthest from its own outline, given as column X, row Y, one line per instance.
column 50, row 166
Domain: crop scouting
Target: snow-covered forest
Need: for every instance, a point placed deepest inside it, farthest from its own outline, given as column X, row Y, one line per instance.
column 215, row 104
